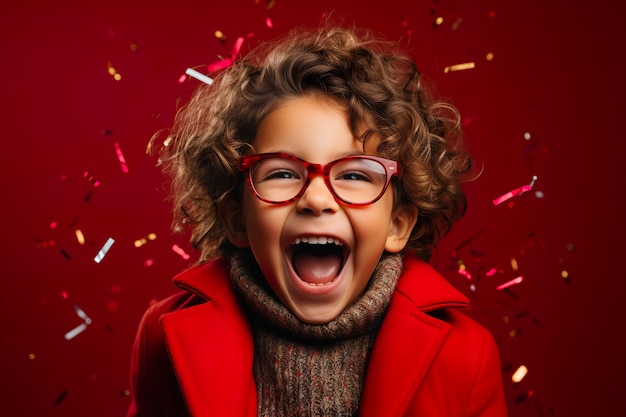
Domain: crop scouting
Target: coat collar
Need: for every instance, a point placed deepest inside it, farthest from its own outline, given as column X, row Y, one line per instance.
column 408, row 340
column 407, row 343
column 211, row 346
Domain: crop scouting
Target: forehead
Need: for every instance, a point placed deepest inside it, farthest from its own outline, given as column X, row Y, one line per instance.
column 309, row 124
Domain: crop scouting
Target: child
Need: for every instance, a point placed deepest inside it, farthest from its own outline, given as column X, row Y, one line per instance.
column 316, row 175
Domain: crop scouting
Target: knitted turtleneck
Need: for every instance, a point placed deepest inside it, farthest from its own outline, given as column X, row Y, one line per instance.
column 306, row 369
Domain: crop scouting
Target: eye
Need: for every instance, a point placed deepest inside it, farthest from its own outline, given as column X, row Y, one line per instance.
column 280, row 174
column 353, row 176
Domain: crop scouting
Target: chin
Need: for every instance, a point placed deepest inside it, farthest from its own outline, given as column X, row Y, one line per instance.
column 317, row 316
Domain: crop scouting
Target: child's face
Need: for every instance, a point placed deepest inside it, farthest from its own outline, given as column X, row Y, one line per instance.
column 316, row 288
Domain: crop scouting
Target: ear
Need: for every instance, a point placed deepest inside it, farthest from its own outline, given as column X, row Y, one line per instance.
column 232, row 218
column 403, row 219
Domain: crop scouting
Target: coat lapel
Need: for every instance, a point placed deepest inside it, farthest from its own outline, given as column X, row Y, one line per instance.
column 408, row 341
column 211, row 347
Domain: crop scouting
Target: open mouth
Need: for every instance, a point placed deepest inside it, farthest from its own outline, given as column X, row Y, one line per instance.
column 318, row 260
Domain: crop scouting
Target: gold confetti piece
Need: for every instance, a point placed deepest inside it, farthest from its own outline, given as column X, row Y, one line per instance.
column 564, row 274
column 144, row 240
column 489, row 56
column 220, row 35
column 514, row 264
column 459, row 67
column 31, row 356
column 439, row 21
column 457, row 23
column 519, row 374
column 134, row 47
column 79, row 236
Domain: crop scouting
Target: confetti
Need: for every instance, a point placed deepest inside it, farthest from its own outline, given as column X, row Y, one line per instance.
column 181, row 252
column 66, row 255
column 220, row 35
column 144, row 240
column 464, row 272
column 459, row 67
column 91, row 179
column 510, row 283
column 107, row 245
column 79, row 236
column 113, row 72
column 268, row 22
column 60, row 398
column 198, row 76
column 121, row 158
column 457, row 23
column 515, row 192
column 75, row 331
column 519, row 374
column 81, row 314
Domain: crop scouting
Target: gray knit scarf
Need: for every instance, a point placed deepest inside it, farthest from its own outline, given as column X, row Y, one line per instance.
column 311, row 370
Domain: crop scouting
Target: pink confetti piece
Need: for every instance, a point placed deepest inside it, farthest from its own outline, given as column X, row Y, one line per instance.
column 216, row 66
column 121, row 158
column 91, row 179
column 180, row 251
column 101, row 254
column 491, row 272
column 268, row 22
column 510, row 283
column 53, row 225
column 515, row 192
column 463, row 271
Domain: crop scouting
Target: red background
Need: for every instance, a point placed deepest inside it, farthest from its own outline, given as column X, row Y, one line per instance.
column 556, row 74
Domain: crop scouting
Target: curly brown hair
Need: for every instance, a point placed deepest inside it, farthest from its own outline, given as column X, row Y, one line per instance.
column 379, row 86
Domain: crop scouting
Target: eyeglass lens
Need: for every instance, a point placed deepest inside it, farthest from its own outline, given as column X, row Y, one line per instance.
column 353, row 180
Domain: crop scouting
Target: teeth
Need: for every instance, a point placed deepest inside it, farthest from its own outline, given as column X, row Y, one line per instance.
column 318, row 240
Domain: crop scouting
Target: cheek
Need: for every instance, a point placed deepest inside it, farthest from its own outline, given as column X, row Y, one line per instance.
column 263, row 224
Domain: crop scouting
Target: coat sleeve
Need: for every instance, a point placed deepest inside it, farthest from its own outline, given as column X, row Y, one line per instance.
column 154, row 387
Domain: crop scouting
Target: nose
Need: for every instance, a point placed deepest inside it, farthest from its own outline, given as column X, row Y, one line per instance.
column 317, row 198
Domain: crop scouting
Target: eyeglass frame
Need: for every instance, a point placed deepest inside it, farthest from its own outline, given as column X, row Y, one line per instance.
column 246, row 163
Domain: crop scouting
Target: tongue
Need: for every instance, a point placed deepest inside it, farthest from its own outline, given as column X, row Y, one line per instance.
column 316, row 269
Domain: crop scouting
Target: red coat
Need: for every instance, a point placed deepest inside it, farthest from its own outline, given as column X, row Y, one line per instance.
column 429, row 359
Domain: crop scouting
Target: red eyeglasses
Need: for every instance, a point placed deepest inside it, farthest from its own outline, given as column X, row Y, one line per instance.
column 280, row 178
